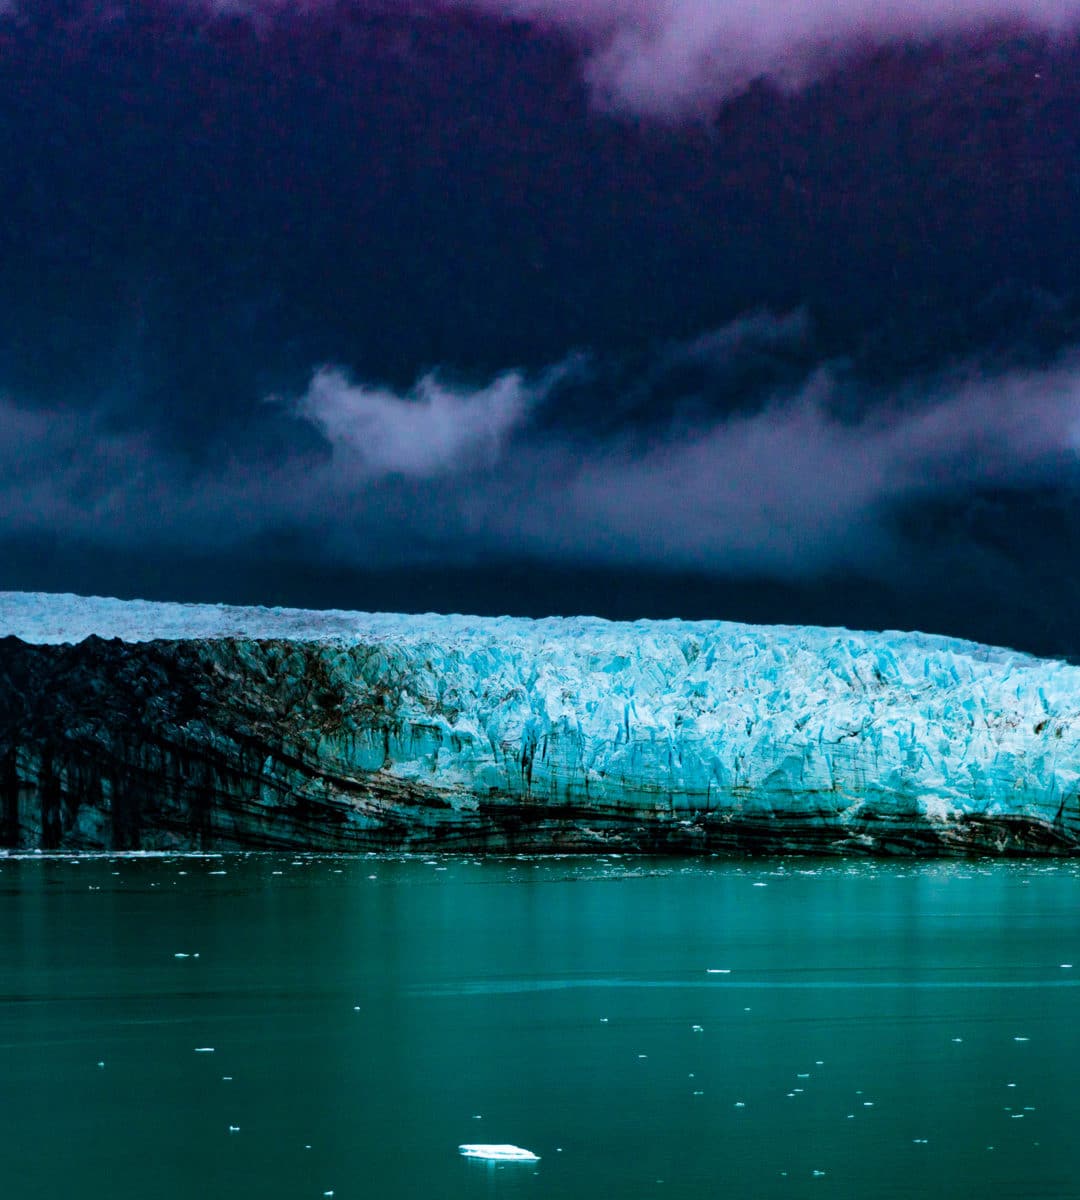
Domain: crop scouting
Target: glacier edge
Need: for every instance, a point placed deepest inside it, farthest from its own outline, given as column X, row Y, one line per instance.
column 130, row 724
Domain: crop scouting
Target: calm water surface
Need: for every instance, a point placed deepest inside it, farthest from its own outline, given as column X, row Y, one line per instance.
column 663, row 1029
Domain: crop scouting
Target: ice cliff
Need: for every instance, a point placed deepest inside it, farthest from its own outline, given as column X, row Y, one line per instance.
column 141, row 725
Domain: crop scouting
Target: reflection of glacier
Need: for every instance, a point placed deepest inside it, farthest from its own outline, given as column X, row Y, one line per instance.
column 259, row 727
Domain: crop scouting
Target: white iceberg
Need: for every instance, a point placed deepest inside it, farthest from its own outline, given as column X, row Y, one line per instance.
column 498, row 1152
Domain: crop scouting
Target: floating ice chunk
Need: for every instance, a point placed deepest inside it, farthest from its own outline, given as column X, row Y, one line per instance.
column 717, row 970
column 204, row 1049
column 500, row 1152
column 740, row 1103
column 761, row 885
column 1066, row 966
column 698, row 1028
column 101, row 1064
column 181, row 955
column 234, row 1128
column 1021, row 1039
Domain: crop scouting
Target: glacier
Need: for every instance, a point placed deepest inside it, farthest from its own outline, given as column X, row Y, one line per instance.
column 139, row 725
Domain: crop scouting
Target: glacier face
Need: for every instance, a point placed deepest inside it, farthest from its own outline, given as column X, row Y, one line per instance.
column 134, row 724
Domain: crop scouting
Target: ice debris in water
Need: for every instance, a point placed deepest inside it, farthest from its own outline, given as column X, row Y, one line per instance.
column 204, row 1049
column 499, row 1151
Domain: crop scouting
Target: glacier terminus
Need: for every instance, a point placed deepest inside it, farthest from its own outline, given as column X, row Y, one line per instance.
column 136, row 725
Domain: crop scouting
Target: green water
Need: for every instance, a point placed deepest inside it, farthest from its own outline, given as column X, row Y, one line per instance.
column 370, row 1015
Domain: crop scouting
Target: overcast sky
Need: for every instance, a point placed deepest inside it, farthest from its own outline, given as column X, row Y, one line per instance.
column 629, row 307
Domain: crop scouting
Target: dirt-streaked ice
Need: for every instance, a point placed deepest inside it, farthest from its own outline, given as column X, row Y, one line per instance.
column 429, row 730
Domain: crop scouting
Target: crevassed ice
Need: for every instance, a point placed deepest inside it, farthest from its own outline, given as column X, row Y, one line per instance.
column 706, row 712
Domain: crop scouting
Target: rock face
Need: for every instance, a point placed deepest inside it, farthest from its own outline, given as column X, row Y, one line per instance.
column 128, row 725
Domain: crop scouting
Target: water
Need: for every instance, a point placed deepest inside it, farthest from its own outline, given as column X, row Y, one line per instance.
column 658, row 1028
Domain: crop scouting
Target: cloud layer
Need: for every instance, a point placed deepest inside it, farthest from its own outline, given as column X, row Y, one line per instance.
column 448, row 474
column 670, row 58
column 665, row 57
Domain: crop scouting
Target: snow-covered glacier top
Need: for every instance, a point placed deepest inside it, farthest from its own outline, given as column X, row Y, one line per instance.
column 48, row 618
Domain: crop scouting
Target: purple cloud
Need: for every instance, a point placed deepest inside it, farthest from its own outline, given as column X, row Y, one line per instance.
column 434, row 430
column 673, row 58
column 669, row 57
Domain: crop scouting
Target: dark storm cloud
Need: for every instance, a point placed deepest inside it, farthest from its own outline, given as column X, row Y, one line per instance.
column 806, row 332
column 454, row 474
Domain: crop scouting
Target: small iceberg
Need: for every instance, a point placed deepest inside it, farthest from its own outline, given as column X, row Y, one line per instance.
column 500, row 1153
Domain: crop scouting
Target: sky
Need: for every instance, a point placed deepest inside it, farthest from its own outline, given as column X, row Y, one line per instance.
column 636, row 308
